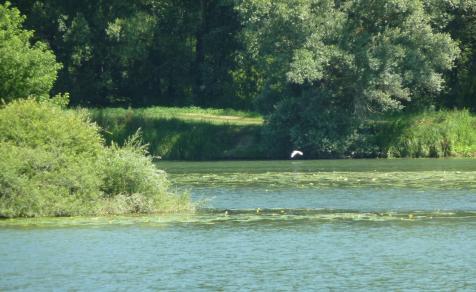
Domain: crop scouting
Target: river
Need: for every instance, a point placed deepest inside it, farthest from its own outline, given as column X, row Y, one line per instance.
column 276, row 225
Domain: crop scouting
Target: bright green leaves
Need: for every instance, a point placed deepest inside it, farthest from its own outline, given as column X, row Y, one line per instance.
column 54, row 163
column 26, row 68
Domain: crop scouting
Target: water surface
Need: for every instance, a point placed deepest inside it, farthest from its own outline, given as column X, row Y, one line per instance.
column 288, row 225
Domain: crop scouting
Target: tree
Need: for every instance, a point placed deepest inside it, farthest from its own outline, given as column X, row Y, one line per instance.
column 26, row 68
column 330, row 64
column 459, row 19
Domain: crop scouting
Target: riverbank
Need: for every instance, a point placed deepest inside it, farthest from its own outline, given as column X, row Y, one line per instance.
column 187, row 133
column 218, row 134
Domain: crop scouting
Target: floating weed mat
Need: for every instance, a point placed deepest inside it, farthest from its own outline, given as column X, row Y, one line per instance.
column 242, row 216
column 414, row 180
column 101, row 221
column 335, row 215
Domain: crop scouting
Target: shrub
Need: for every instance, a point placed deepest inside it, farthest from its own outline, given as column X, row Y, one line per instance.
column 310, row 123
column 54, row 163
column 133, row 184
column 49, row 160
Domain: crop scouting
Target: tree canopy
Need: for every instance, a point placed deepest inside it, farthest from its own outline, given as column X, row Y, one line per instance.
column 330, row 63
column 27, row 68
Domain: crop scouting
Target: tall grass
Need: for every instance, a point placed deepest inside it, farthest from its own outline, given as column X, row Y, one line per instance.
column 430, row 134
column 133, row 184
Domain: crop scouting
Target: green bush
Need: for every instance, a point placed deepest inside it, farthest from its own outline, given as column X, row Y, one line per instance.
column 132, row 183
column 319, row 129
column 429, row 134
column 54, row 163
column 49, row 160
column 38, row 182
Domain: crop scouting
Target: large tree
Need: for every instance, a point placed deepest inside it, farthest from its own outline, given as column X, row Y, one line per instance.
column 329, row 64
column 27, row 68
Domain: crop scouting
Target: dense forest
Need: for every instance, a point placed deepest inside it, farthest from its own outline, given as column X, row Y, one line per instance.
column 225, row 53
column 316, row 69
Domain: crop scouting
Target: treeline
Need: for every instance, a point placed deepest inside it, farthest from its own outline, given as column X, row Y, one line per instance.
column 317, row 69
column 146, row 52
column 203, row 52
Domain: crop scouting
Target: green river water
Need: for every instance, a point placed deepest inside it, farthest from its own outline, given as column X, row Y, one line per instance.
column 276, row 225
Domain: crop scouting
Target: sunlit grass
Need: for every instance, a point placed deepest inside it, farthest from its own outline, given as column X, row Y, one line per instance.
column 429, row 134
column 186, row 133
column 194, row 133
column 190, row 114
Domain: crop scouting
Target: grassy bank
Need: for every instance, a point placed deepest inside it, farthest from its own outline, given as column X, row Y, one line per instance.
column 210, row 134
column 187, row 133
column 427, row 134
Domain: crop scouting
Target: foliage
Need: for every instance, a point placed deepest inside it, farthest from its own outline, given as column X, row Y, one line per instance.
column 54, row 163
column 319, row 127
column 144, row 52
column 461, row 24
column 220, row 137
column 26, row 68
column 48, row 164
column 318, row 70
column 432, row 134
column 38, row 182
column 133, row 184
column 329, row 64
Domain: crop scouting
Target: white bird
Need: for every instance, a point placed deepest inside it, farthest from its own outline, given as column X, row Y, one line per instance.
column 295, row 153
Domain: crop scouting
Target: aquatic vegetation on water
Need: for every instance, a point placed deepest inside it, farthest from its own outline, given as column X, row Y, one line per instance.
column 224, row 216
column 398, row 179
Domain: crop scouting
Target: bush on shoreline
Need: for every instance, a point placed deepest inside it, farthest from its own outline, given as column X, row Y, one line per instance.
column 54, row 163
column 133, row 184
